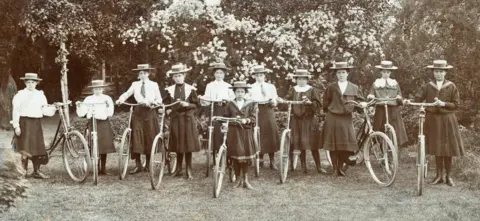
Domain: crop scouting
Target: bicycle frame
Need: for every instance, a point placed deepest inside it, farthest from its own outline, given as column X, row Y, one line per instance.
column 56, row 139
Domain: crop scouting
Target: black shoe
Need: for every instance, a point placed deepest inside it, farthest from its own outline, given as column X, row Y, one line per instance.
column 137, row 169
column 437, row 180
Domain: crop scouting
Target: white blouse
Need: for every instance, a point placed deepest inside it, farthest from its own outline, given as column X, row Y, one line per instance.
column 256, row 92
column 31, row 104
column 343, row 86
column 299, row 89
column 439, row 84
column 152, row 92
column 102, row 111
column 218, row 90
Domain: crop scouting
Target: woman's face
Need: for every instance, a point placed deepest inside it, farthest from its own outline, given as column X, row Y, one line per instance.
column 439, row 74
column 179, row 78
column 219, row 75
column 342, row 75
column 385, row 73
column 31, row 84
column 260, row 77
column 301, row 81
column 98, row 90
column 240, row 93
column 143, row 75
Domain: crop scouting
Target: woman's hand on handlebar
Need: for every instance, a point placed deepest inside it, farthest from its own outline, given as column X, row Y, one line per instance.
column 306, row 100
column 371, row 97
column 363, row 104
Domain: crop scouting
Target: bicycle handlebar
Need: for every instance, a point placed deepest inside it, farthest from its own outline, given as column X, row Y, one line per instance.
column 213, row 101
column 291, row 102
column 358, row 104
column 166, row 105
column 262, row 102
column 59, row 104
column 422, row 104
column 91, row 104
column 129, row 104
column 231, row 119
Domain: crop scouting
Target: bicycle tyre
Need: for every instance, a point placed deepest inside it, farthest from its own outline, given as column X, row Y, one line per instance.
column 219, row 171
column 392, row 135
column 256, row 137
column 389, row 168
column 124, row 153
column 284, row 155
column 421, row 165
column 81, row 152
column 157, row 162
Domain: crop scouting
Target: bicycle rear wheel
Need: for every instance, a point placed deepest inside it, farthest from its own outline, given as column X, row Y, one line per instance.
column 421, row 165
column 284, row 155
column 256, row 139
column 76, row 156
column 219, row 170
column 381, row 158
column 124, row 153
column 157, row 162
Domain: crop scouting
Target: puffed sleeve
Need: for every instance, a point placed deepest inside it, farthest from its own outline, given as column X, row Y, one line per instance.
column 46, row 109
column 110, row 106
column 82, row 110
column 452, row 104
column 16, row 103
column 193, row 100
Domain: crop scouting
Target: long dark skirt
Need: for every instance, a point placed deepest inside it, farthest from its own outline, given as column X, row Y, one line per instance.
column 442, row 135
column 338, row 133
column 302, row 133
column 104, row 135
column 269, row 137
column 240, row 143
column 145, row 126
column 183, row 134
column 394, row 118
column 31, row 141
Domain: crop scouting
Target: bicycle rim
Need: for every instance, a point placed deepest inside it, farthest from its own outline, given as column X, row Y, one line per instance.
column 124, row 154
column 219, row 171
column 157, row 162
column 284, row 155
column 381, row 158
column 76, row 156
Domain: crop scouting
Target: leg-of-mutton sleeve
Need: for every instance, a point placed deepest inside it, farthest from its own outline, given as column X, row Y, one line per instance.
column 110, row 107
column 193, row 100
column 16, row 103
column 452, row 104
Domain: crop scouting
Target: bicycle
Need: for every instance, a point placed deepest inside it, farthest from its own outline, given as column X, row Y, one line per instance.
column 422, row 163
column 377, row 147
column 221, row 158
column 256, row 137
column 164, row 156
column 93, row 139
column 69, row 139
column 388, row 128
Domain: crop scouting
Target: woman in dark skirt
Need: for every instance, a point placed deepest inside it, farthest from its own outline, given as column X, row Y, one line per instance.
column 338, row 135
column 269, row 138
column 385, row 87
column 29, row 106
column 145, row 124
column 183, row 126
column 442, row 134
column 102, row 113
column 303, row 122
column 241, row 146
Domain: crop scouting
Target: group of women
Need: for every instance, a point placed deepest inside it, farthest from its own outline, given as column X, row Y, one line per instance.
column 242, row 100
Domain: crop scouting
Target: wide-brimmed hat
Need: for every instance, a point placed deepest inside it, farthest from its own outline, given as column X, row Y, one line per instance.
column 260, row 69
column 218, row 65
column 97, row 83
column 386, row 65
column 299, row 73
column 440, row 64
column 240, row 84
column 341, row 65
column 178, row 68
column 142, row 67
column 31, row 76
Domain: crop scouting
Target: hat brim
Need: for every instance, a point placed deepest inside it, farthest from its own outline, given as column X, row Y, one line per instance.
column 245, row 87
column 103, row 85
column 341, row 68
column 142, row 69
column 301, row 76
column 33, row 79
column 433, row 67
column 179, row 72
column 384, row 68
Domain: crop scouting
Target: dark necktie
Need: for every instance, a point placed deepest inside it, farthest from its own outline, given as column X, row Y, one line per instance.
column 142, row 90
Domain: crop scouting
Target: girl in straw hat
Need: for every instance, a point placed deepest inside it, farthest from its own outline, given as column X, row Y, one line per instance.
column 385, row 87
column 338, row 135
column 303, row 119
column 29, row 106
column 102, row 113
column 183, row 127
column 263, row 91
column 241, row 147
column 145, row 123
column 442, row 135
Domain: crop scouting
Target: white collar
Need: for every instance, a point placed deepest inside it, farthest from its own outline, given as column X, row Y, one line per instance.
column 188, row 90
column 302, row 89
column 343, row 83
column 381, row 82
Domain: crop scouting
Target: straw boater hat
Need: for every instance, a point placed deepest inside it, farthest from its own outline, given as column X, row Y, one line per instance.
column 302, row 73
column 240, row 84
column 340, row 66
column 440, row 64
column 98, row 83
column 178, row 68
column 260, row 69
column 142, row 67
column 31, row 76
column 218, row 65
column 386, row 65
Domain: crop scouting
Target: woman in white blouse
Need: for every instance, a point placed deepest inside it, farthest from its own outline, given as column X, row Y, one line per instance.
column 145, row 122
column 263, row 91
column 102, row 112
column 29, row 106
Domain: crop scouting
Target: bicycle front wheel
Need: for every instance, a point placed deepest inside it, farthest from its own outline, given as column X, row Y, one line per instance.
column 381, row 158
column 391, row 134
column 256, row 139
column 157, row 162
column 94, row 154
column 76, row 156
column 124, row 153
column 219, row 170
column 284, row 155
